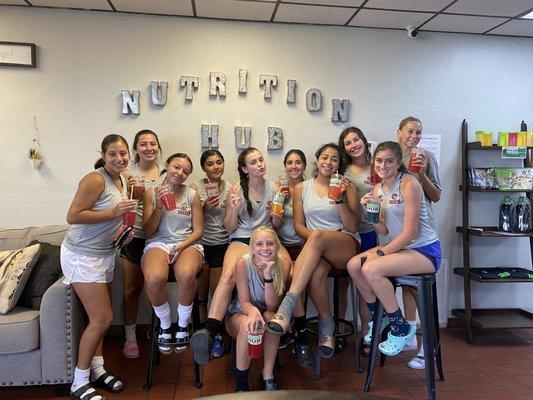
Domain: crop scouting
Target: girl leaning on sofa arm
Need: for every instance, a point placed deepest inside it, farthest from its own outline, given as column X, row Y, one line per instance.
column 87, row 260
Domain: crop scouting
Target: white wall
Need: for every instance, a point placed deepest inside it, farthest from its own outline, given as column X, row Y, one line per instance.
column 86, row 58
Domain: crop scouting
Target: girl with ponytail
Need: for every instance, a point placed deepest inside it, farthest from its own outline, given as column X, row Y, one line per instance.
column 248, row 206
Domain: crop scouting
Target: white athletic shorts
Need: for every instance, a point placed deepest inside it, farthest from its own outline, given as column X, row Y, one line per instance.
column 79, row 268
column 168, row 248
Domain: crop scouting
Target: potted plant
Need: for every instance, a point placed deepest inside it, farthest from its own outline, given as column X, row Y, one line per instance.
column 34, row 157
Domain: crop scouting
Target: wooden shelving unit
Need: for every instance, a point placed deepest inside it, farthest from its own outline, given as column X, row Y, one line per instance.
column 501, row 318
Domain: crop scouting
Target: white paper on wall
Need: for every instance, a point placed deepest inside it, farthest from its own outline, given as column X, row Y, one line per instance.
column 431, row 142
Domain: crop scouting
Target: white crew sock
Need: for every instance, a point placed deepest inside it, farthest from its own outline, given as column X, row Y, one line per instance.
column 413, row 343
column 130, row 332
column 421, row 351
column 163, row 313
column 81, row 378
column 184, row 317
column 97, row 367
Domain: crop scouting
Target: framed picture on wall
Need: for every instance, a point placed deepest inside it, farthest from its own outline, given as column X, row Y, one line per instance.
column 16, row 54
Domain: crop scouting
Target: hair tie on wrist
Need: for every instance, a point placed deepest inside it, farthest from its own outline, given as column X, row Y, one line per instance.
column 271, row 280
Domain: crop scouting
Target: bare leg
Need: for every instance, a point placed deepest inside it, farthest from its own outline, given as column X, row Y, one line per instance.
column 97, row 304
column 270, row 349
column 186, row 268
column 236, row 326
column 410, row 301
column 214, row 277
column 222, row 294
column 133, row 286
column 318, row 289
column 203, row 291
column 155, row 269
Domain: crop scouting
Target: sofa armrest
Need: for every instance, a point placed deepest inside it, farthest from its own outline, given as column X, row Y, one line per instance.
column 61, row 323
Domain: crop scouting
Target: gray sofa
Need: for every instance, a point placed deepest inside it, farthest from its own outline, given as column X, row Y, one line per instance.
column 40, row 347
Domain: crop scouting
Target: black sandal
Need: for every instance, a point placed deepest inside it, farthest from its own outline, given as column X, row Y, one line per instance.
column 80, row 393
column 107, row 382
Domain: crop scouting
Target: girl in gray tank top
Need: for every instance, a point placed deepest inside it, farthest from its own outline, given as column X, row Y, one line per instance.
column 414, row 247
column 409, row 135
column 248, row 206
column 260, row 276
column 326, row 225
column 172, row 236
column 143, row 173
column 87, row 256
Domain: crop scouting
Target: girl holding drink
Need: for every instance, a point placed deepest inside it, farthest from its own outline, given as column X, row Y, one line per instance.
column 88, row 260
column 213, row 191
column 326, row 225
column 173, row 224
column 260, row 276
column 248, row 206
column 414, row 247
column 361, row 174
column 141, row 175
column 295, row 163
column 422, row 164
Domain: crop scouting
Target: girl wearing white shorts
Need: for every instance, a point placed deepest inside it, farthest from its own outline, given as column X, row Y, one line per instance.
column 88, row 257
column 172, row 238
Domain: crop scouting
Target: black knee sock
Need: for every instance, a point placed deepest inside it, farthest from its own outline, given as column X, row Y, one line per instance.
column 300, row 327
column 372, row 309
column 241, row 378
column 214, row 327
column 398, row 325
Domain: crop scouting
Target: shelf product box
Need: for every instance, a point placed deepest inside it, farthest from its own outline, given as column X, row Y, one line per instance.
column 514, row 178
column 484, row 137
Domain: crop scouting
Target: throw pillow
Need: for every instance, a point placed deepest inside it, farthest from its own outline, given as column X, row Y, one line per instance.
column 15, row 268
column 43, row 275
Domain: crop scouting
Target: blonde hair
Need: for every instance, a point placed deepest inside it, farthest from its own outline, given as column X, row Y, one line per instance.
column 278, row 283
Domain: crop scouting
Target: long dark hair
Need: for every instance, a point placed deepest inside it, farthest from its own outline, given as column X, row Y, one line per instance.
column 321, row 149
column 109, row 139
column 177, row 155
column 360, row 135
column 136, row 141
column 298, row 152
column 208, row 153
column 396, row 150
column 244, row 178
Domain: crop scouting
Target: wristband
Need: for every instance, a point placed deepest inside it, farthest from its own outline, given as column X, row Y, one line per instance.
column 158, row 208
column 380, row 253
column 271, row 280
column 341, row 201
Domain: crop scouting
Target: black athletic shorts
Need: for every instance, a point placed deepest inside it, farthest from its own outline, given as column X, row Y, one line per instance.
column 214, row 255
column 133, row 251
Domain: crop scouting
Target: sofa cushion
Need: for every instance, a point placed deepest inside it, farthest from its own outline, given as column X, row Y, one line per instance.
column 43, row 275
column 15, row 268
column 19, row 331
column 17, row 238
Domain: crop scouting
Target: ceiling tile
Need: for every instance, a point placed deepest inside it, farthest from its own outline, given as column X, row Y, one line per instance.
column 81, row 4
column 346, row 3
column 170, row 7
column 389, row 19
column 462, row 23
column 231, row 9
column 410, row 5
column 515, row 28
column 13, row 3
column 507, row 8
column 313, row 14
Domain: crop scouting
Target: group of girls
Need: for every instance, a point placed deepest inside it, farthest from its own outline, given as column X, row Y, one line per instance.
column 246, row 246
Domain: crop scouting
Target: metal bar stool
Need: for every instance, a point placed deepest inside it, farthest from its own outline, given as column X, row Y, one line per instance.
column 349, row 327
column 154, row 356
column 426, row 286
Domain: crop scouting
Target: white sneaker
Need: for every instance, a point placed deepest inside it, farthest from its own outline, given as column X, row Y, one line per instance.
column 413, row 343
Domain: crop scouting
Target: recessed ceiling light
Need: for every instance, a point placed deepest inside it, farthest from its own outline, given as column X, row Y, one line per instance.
column 528, row 15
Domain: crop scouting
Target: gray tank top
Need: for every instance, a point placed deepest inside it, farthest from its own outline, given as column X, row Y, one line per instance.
column 260, row 213
column 320, row 212
column 96, row 240
column 175, row 226
column 255, row 285
column 432, row 172
column 214, row 232
column 148, row 184
column 363, row 186
column 393, row 205
column 286, row 232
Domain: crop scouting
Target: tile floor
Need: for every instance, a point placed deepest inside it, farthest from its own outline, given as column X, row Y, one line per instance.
column 496, row 366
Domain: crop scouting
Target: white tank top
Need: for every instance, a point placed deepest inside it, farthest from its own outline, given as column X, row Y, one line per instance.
column 321, row 213
column 362, row 184
column 214, row 231
column 286, row 232
column 148, row 184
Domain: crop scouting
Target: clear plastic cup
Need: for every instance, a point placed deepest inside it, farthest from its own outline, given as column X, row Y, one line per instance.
column 168, row 200
column 211, row 190
column 128, row 218
column 277, row 203
column 414, row 166
column 255, row 345
column 372, row 209
column 138, row 188
column 334, row 190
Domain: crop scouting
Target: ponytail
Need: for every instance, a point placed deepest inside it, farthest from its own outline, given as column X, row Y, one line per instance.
column 99, row 163
column 243, row 177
